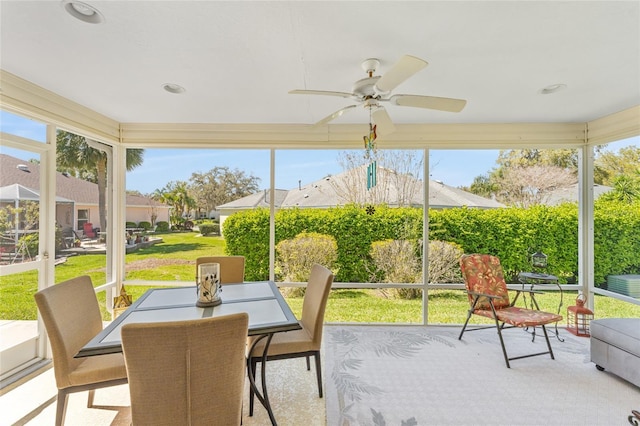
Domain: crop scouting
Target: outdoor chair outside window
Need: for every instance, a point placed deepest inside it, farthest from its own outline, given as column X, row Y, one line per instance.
column 489, row 297
column 231, row 267
column 187, row 372
column 300, row 343
column 71, row 316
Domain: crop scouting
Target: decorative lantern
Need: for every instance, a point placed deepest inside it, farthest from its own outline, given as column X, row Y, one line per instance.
column 208, row 286
column 121, row 303
column 579, row 317
column 539, row 260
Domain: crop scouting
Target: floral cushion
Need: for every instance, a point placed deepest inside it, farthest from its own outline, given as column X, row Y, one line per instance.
column 483, row 274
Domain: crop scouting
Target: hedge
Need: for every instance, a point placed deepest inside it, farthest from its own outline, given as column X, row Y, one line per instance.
column 512, row 234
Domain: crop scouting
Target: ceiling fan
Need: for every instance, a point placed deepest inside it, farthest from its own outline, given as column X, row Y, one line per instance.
column 374, row 89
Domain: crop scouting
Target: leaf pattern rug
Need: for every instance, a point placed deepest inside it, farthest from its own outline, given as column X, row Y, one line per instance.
column 417, row 375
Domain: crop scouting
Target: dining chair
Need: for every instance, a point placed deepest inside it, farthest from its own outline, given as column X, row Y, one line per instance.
column 71, row 316
column 186, row 372
column 231, row 267
column 489, row 297
column 305, row 342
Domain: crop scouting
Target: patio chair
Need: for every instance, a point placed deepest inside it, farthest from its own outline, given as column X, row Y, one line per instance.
column 186, row 372
column 88, row 230
column 489, row 297
column 71, row 316
column 299, row 343
column 231, row 268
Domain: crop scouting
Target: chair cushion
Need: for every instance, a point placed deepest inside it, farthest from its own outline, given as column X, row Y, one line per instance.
column 483, row 274
column 95, row 369
column 521, row 317
column 623, row 333
column 288, row 342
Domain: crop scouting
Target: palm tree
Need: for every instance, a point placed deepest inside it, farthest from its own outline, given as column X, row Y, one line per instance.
column 76, row 156
column 176, row 194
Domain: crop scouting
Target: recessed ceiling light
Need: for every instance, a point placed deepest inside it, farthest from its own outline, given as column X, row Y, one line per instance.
column 553, row 88
column 83, row 11
column 173, row 88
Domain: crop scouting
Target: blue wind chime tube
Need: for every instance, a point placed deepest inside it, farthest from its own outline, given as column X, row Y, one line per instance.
column 370, row 146
column 371, row 175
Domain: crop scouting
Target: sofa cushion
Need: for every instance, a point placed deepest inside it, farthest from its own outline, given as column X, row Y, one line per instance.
column 623, row 333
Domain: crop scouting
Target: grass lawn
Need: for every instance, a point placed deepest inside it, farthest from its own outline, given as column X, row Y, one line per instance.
column 174, row 260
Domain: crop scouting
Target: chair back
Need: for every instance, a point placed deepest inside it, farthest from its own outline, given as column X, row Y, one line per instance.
column 88, row 230
column 315, row 302
column 186, row 372
column 231, row 267
column 483, row 274
column 71, row 316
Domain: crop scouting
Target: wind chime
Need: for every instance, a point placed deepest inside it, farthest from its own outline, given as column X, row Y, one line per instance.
column 370, row 148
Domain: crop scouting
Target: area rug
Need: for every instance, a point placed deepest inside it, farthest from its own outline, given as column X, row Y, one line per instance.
column 416, row 375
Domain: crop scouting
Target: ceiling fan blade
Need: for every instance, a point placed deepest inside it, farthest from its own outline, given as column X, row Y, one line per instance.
column 321, row 92
column 403, row 69
column 430, row 102
column 335, row 115
column 384, row 125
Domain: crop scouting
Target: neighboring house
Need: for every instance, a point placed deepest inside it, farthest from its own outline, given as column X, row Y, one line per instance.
column 77, row 199
column 570, row 194
column 350, row 186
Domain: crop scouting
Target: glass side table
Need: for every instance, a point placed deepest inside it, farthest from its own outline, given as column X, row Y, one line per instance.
column 534, row 278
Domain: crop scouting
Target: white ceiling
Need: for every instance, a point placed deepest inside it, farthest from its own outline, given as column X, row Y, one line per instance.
column 238, row 59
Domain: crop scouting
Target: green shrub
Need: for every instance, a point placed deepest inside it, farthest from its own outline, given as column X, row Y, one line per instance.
column 162, row 226
column 28, row 246
column 295, row 257
column 509, row 233
column 397, row 261
column 144, row 225
column 131, row 225
column 444, row 262
column 207, row 228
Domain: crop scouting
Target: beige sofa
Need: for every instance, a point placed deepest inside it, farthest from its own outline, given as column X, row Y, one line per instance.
column 615, row 347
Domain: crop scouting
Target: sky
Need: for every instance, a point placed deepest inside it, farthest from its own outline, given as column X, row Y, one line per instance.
column 293, row 167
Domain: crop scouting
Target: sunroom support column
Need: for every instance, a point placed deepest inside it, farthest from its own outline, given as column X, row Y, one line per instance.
column 272, row 215
column 585, row 222
column 425, row 237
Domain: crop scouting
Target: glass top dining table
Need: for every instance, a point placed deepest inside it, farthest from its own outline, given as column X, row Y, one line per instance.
column 268, row 312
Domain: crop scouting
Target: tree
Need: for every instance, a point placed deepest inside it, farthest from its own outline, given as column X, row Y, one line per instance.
column 76, row 156
column 221, row 185
column 531, row 185
column 610, row 165
column 526, row 177
column 176, row 195
column 625, row 189
column 398, row 177
column 483, row 186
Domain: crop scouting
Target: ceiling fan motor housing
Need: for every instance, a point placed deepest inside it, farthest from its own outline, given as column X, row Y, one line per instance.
column 365, row 88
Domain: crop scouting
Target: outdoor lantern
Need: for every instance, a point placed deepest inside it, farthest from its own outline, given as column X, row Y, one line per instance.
column 208, row 286
column 539, row 260
column 579, row 317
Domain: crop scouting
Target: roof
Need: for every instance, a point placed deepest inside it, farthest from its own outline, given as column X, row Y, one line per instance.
column 13, row 170
column 259, row 199
column 18, row 192
column 570, row 194
column 325, row 193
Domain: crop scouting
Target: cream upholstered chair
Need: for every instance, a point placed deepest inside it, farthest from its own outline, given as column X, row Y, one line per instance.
column 300, row 343
column 186, row 372
column 71, row 316
column 231, row 267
